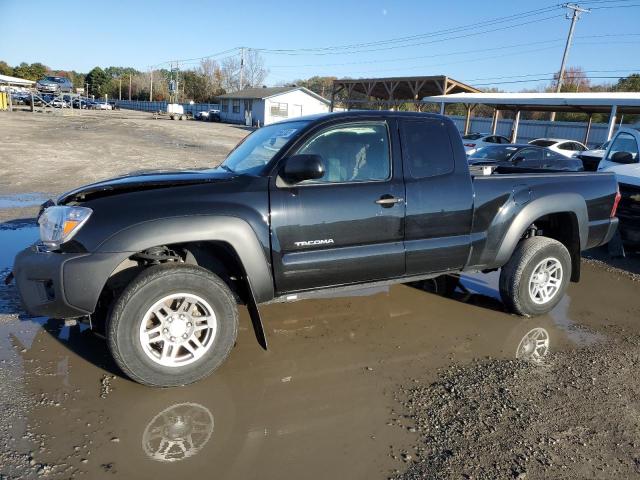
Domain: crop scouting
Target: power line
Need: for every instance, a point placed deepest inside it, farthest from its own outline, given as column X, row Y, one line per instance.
column 459, row 52
column 402, row 59
column 446, row 39
column 551, row 73
column 544, row 79
column 447, row 31
column 188, row 60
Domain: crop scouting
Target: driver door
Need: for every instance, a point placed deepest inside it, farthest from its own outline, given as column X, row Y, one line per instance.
column 348, row 226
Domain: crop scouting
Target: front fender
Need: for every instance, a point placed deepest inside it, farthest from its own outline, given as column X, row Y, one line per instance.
column 231, row 230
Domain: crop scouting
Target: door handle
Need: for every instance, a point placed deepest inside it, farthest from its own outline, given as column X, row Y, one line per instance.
column 389, row 200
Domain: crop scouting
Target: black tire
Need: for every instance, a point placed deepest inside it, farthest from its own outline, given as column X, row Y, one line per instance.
column 151, row 285
column 516, row 275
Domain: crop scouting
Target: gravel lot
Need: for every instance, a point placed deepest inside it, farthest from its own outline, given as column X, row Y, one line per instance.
column 383, row 383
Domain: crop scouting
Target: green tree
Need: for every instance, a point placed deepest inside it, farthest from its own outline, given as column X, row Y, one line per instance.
column 5, row 69
column 35, row 71
column 628, row 84
column 98, row 81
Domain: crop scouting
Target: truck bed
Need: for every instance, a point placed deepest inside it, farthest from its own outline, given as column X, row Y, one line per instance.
column 500, row 197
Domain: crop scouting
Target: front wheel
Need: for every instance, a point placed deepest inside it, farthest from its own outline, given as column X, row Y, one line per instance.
column 535, row 278
column 172, row 325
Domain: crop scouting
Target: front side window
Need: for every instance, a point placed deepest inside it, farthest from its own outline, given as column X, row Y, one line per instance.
column 624, row 142
column 357, row 152
column 528, row 154
column 472, row 136
column 426, row 148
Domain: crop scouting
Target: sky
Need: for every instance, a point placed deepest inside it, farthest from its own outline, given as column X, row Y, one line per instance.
column 467, row 40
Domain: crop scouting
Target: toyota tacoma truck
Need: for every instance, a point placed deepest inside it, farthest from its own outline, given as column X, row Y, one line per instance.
column 158, row 262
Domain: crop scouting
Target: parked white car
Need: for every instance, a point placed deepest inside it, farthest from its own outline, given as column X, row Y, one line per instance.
column 567, row 148
column 103, row 106
column 473, row 141
column 591, row 158
column 623, row 158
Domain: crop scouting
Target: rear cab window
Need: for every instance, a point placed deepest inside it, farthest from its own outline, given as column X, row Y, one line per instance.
column 426, row 148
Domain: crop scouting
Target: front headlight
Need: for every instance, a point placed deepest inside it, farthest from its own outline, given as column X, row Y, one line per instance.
column 58, row 224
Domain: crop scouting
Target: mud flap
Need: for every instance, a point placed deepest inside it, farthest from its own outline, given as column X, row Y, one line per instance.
column 615, row 246
column 256, row 320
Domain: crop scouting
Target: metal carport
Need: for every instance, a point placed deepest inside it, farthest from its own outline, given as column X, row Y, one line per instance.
column 611, row 103
column 392, row 91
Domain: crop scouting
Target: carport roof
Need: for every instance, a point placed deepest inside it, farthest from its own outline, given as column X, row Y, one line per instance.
column 402, row 88
column 588, row 102
column 6, row 79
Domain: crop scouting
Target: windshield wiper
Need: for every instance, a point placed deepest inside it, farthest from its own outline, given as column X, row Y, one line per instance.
column 222, row 165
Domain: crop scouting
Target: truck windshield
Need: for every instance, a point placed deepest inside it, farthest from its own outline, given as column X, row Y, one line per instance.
column 257, row 149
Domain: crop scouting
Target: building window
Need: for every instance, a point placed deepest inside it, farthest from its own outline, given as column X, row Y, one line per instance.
column 279, row 109
column 236, row 106
column 224, row 106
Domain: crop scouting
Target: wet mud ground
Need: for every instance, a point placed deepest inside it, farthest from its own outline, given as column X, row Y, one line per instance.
column 383, row 383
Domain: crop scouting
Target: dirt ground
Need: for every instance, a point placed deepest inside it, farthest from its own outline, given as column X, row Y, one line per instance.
column 381, row 383
column 60, row 150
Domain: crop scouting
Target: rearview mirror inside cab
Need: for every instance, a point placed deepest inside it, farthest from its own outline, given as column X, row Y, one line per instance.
column 623, row 157
column 302, row 167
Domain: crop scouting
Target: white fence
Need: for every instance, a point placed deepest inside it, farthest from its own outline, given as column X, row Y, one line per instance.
column 530, row 129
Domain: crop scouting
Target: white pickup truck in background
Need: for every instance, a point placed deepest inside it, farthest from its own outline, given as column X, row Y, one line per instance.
column 623, row 157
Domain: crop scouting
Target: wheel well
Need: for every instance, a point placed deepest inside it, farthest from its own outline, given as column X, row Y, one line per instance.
column 563, row 227
column 217, row 257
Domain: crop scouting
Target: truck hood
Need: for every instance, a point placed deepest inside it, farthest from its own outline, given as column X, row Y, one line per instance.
column 144, row 180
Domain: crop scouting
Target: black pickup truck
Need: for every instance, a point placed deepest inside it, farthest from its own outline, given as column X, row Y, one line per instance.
column 158, row 261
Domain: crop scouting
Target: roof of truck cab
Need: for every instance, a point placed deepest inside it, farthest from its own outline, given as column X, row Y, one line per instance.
column 363, row 113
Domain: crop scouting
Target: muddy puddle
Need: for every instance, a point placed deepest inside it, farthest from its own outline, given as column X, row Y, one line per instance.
column 316, row 405
column 12, row 240
column 23, row 200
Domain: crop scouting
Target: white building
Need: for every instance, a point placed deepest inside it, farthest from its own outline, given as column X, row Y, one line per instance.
column 270, row 104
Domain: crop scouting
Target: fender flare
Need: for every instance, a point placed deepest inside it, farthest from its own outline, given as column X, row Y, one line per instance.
column 556, row 203
column 231, row 230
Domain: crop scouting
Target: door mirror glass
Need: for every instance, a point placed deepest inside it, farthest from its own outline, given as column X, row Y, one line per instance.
column 299, row 168
column 623, row 157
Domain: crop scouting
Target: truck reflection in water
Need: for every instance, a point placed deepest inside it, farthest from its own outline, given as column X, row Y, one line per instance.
column 178, row 432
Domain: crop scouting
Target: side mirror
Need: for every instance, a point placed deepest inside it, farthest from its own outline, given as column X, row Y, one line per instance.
column 303, row 167
column 623, row 157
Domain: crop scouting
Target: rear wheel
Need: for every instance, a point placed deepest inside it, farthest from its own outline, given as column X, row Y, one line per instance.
column 172, row 325
column 535, row 278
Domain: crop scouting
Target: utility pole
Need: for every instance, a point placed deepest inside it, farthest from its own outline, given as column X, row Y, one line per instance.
column 241, row 66
column 575, row 16
column 87, row 91
column 129, row 87
column 120, row 88
column 151, row 86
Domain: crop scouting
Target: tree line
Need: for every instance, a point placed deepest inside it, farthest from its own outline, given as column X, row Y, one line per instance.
column 201, row 84
column 209, row 79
